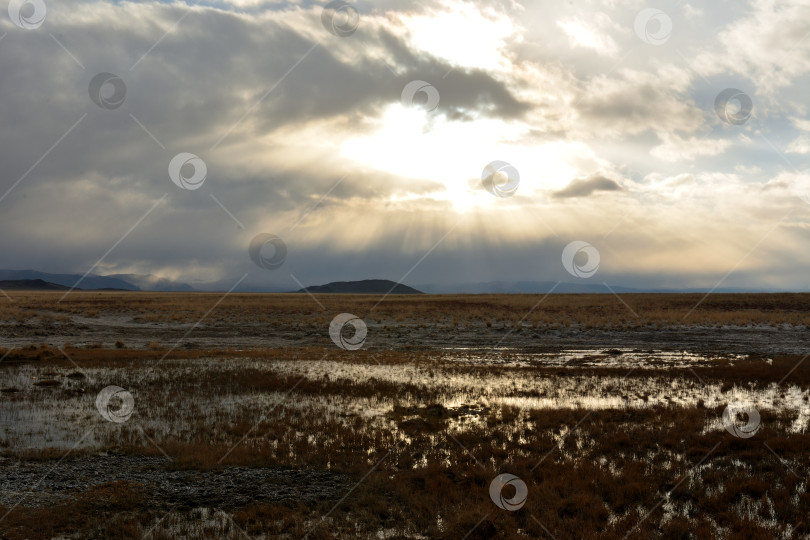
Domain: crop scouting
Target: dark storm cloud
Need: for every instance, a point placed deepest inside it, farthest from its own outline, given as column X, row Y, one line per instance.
column 461, row 90
column 208, row 71
column 197, row 83
column 586, row 186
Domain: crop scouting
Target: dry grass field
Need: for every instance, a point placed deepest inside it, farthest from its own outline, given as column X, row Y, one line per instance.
column 246, row 420
column 556, row 310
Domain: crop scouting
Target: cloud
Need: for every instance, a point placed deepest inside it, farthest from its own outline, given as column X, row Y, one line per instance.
column 800, row 145
column 587, row 186
column 676, row 148
column 637, row 101
column 765, row 44
column 692, row 12
column 480, row 35
column 591, row 35
column 801, row 123
column 304, row 135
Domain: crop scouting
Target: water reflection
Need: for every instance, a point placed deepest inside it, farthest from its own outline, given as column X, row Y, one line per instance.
column 186, row 394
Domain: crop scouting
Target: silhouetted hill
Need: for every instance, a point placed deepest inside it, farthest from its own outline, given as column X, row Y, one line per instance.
column 115, row 282
column 69, row 280
column 30, row 285
column 366, row 286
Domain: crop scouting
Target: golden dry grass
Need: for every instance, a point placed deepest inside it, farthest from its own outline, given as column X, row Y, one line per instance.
column 556, row 310
column 599, row 472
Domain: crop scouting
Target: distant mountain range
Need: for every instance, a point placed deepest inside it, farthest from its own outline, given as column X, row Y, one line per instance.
column 35, row 280
column 366, row 286
column 522, row 287
column 590, row 287
column 124, row 282
column 150, row 282
column 30, row 285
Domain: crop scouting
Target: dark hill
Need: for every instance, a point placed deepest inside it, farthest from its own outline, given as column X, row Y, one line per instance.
column 366, row 286
column 90, row 281
column 30, row 285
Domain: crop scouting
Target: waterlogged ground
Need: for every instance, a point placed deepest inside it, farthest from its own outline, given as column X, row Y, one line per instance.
column 55, row 414
column 263, row 436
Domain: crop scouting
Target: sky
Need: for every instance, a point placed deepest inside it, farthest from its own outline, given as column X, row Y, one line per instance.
column 266, row 143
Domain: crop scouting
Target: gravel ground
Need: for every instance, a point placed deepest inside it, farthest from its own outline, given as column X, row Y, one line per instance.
column 755, row 339
column 232, row 487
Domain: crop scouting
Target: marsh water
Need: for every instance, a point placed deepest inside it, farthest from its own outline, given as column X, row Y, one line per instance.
column 62, row 412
